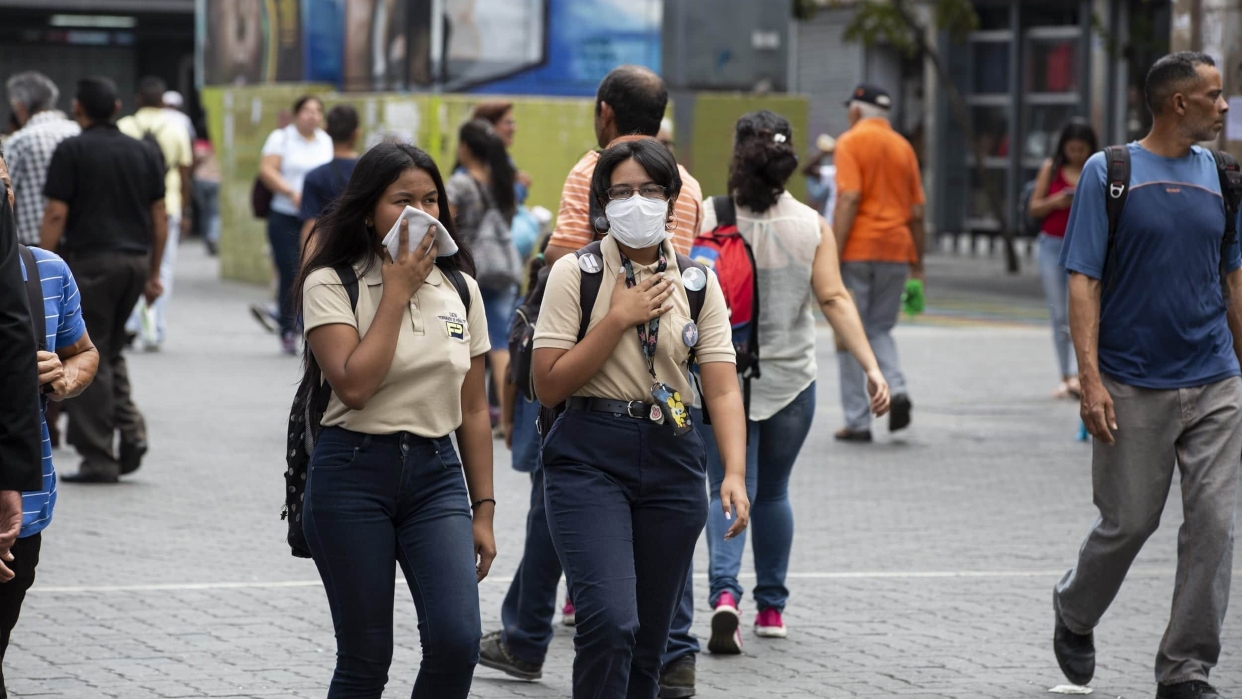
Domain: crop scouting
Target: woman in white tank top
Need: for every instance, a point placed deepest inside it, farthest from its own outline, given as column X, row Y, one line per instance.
column 796, row 263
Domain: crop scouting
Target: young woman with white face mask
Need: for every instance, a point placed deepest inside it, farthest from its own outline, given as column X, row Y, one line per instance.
column 624, row 469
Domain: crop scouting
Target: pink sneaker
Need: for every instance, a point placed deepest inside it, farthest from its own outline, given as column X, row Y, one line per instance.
column 768, row 624
column 726, row 627
column 567, row 613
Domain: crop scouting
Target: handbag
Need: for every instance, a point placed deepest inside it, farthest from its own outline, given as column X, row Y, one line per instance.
column 496, row 261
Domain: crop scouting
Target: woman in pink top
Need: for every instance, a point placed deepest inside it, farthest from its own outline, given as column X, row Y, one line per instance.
column 1050, row 202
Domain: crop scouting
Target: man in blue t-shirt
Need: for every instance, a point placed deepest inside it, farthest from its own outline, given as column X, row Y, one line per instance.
column 326, row 182
column 65, row 369
column 1157, row 344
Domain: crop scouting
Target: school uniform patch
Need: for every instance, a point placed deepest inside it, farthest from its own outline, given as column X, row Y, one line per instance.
column 455, row 324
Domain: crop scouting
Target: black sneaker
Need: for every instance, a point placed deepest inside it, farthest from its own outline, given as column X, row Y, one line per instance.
column 1075, row 652
column 899, row 412
column 130, row 455
column 845, row 434
column 677, row 678
column 1194, row 689
column 494, row 654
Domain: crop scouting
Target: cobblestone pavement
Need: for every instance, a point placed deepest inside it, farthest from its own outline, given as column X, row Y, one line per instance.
column 923, row 565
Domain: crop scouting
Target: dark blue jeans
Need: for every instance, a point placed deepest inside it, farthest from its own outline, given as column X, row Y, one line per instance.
column 531, row 601
column 284, row 233
column 772, row 447
column 625, row 507
column 373, row 501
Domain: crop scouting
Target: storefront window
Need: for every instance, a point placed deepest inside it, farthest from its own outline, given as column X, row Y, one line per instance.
column 1052, row 64
column 991, row 67
column 991, row 130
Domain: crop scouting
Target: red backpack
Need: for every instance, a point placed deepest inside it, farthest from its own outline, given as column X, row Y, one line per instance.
column 727, row 253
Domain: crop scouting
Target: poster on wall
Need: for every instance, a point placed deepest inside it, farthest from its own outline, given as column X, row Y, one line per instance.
column 250, row 41
column 561, row 47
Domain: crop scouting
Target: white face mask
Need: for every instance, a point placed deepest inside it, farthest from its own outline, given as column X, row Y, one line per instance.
column 637, row 222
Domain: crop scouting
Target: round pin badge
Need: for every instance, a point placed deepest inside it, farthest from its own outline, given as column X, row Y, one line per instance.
column 656, row 415
column 690, row 334
column 694, row 279
column 590, row 263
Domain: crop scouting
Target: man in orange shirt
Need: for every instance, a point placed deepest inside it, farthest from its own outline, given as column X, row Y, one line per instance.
column 629, row 105
column 879, row 228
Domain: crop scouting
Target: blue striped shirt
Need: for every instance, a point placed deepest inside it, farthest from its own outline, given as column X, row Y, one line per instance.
column 63, row 310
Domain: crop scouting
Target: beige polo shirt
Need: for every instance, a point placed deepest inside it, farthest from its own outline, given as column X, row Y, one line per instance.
column 624, row 375
column 422, row 392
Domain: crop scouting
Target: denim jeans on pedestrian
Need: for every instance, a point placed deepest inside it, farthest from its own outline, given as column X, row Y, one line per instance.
column 525, row 438
column 772, row 447
column 530, row 603
column 207, row 196
column 373, row 501
column 284, row 233
column 1056, row 290
column 877, row 288
column 625, row 506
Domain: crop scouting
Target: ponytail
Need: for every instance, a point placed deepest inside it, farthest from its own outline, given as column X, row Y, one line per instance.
column 763, row 160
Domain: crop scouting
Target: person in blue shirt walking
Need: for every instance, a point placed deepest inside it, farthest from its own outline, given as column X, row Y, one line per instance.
column 1158, row 347
column 64, row 371
column 325, row 183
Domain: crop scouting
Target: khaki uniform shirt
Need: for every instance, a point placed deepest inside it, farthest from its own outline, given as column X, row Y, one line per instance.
column 422, row 392
column 624, row 375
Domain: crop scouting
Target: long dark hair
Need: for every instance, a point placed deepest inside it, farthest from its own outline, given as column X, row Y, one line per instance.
column 481, row 140
column 763, row 160
column 1076, row 129
column 342, row 237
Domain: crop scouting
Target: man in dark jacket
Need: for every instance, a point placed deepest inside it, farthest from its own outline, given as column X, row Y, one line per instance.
column 21, row 464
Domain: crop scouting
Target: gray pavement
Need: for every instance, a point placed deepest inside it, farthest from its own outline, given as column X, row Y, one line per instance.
column 923, row 565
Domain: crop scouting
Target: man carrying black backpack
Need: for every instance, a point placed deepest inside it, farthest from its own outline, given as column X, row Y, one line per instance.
column 1156, row 314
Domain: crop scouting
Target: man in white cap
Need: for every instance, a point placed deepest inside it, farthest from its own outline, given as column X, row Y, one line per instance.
column 821, row 175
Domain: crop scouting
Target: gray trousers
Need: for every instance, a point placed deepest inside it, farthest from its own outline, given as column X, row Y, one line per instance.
column 1198, row 430
column 877, row 288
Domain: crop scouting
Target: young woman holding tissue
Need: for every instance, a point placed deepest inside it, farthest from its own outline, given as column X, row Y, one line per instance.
column 385, row 483
column 624, row 468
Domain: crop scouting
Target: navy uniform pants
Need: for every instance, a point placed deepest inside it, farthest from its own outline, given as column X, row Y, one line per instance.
column 626, row 502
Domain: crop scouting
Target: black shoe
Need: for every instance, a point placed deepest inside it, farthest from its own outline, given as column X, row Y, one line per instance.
column 88, row 477
column 677, row 678
column 494, row 654
column 1075, row 652
column 1194, row 689
column 131, row 454
column 899, row 412
column 845, row 434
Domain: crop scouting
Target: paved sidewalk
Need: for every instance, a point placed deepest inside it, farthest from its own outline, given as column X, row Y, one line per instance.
column 922, row 567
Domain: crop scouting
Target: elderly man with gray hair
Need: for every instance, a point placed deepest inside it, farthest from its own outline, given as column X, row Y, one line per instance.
column 33, row 97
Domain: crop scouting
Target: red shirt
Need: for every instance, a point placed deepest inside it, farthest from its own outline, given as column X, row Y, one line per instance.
column 1054, row 223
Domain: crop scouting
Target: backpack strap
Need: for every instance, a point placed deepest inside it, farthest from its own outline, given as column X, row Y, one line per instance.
column 726, row 212
column 1231, row 191
column 588, row 287
column 458, row 280
column 323, row 394
column 696, row 298
column 34, row 293
column 1117, row 159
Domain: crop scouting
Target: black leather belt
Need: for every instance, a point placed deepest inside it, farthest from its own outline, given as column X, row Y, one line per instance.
column 636, row 409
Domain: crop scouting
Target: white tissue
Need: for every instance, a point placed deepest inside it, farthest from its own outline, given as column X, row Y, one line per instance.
column 1070, row 689
column 419, row 221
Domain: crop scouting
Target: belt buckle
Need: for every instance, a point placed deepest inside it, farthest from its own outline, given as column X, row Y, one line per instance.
column 636, row 409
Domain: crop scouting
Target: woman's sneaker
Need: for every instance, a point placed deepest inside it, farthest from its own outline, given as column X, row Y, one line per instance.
column 567, row 613
column 769, row 624
column 726, row 627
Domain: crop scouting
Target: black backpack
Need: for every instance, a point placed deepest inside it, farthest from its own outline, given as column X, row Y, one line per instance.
column 522, row 335
column 149, row 139
column 309, row 404
column 1031, row 226
column 588, row 291
column 1117, row 159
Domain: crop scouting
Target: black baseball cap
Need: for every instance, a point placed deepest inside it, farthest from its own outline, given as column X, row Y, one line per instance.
column 871, row 94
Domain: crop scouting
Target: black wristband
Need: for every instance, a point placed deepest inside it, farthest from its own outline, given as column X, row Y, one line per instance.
column 476, row 503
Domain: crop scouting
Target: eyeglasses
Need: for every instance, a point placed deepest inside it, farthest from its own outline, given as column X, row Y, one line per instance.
column 647, row 191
